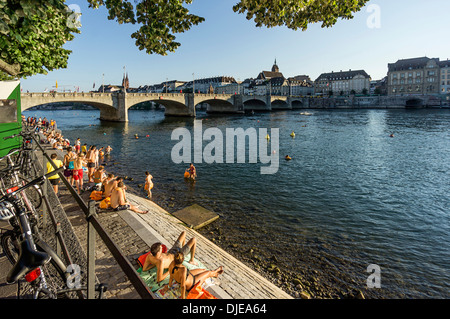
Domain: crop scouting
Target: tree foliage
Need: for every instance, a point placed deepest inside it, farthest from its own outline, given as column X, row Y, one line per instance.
column 33, row 32
column 32, row 35
column 298, row 14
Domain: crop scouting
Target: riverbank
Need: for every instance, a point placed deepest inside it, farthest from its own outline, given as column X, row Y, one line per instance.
column 134, row 234
column 352, row 195
column 297, row 281
column 241, row 241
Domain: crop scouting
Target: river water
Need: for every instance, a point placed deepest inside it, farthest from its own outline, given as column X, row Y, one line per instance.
column 352, row 196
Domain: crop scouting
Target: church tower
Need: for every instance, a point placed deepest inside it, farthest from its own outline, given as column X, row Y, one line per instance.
column 125, row 82
column 275, row 67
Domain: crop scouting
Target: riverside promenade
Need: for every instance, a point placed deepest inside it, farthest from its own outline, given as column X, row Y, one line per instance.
column 134, row 234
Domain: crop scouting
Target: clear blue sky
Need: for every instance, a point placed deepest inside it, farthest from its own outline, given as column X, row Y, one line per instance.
column 229, row 44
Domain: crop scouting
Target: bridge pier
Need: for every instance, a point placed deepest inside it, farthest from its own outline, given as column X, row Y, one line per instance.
column 178, row 109
column 119, row 111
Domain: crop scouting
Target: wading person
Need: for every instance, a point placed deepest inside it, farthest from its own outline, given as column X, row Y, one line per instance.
column 148, row 184
column 192, row 171
column 156, row 258
column 189, row 278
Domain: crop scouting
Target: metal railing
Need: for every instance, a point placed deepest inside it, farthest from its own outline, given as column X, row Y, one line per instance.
column 94, row 228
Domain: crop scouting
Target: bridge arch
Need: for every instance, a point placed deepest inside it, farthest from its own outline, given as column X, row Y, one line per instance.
column 297, row 104
column 278, row 104
column 413, row 102
column 171, row 107
column 255, row 104
column 100, row 101
column 218, row 106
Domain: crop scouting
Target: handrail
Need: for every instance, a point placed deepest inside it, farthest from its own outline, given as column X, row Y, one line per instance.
column 141, row 288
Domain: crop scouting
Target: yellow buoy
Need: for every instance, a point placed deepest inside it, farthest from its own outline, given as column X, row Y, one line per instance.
column 292, row 134
column 267, row 137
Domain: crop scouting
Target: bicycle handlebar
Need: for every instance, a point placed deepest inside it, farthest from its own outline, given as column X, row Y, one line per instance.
column 24, row 133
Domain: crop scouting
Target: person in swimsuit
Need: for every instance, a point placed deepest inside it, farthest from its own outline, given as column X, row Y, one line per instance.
column 77, row 172
column 148, row 184
column 99, row 176
column 192, row 171
column 156, row 258
column 69, row 159
column 111, row 185
column 91, row 160
column 189, row 278
column 77, row 145
column 108, row 150
column 119, row 200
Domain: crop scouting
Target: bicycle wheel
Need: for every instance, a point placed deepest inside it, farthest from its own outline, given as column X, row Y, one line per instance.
column 33, row 194
column 10, row 246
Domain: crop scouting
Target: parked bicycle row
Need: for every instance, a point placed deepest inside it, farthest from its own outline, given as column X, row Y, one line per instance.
column 37, row 268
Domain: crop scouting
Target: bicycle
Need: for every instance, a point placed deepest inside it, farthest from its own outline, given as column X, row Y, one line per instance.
column 23, row 156
column 10, row 177
column 45, row 273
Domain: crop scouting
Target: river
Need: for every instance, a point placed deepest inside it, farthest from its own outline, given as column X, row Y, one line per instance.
column 352, row 196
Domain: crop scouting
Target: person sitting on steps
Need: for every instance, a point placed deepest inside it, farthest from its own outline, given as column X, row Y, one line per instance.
column 189, row 278
column 156, row 258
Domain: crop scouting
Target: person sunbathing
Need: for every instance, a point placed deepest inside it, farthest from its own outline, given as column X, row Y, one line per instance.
column 119, row 200
column 156, row 258
column 189, row 278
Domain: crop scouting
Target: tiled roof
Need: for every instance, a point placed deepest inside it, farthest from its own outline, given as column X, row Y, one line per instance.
column 343, row 75
column 410, row 64
column 269, row 75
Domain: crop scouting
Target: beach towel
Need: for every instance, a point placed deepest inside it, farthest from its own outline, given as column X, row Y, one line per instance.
column 96, row 195
column 198, row 292
column 106, row 203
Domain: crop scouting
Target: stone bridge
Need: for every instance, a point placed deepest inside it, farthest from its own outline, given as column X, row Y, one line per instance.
column 114, row 106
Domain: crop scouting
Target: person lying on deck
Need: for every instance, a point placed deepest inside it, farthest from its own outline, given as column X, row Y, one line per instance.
column 162, row 261
column 188, row 278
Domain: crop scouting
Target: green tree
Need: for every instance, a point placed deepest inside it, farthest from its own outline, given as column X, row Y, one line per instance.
column 33, row 32
column 32, row 35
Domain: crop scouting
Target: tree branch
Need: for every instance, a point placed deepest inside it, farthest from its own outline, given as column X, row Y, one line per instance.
column 10, row 69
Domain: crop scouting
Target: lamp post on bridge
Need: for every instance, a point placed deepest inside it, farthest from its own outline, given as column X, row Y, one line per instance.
column 193, row 84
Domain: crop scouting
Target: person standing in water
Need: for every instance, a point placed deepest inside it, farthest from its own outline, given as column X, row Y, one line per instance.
column 192, row 171
column 148, row 184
